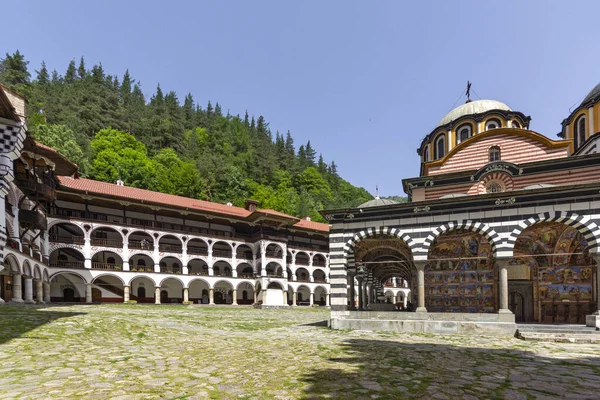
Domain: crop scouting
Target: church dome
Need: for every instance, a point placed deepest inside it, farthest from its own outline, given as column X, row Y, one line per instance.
column 376, row 202
column 471, row 108
column 593, row 94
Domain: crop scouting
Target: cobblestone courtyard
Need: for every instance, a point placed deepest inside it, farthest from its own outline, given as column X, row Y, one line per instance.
column 135, row 352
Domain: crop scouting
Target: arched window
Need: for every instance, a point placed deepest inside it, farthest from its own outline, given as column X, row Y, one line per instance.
column 492, row 124
column 494, row 187
column 440, row 146
column 494, row 153
column 580, row 131
column 463, row 133
column 426, row 154
column 515, row 124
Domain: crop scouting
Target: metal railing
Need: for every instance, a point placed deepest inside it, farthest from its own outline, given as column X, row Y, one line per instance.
column 199, row 251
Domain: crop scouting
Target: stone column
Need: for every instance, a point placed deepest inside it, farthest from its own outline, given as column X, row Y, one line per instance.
column 254, row 292
column 16, row 235
column 28, row 291
column 234, row 303
column 312, row 299
column 360, row 294
column 157, row 269
column 294, row 295
column 597, row 260
column 157, row 295
column 264, row 296
column 352, row 292
column 285, row 301
column 327, row 300
column 17, row 292
column 46, row 292
column 125, row 294
column 88, row 292
column 421, row 286
column 211, row 296
column 39, row 292
column 186, row 297
column 503, row 285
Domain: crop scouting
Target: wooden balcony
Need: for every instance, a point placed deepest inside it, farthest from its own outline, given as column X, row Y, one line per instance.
column 67, row 264
column 67, row 239
column 98, row 242
column 199, row 251
column 107, row 266
column 170, row 248
column 141, row 245
column 33, row 185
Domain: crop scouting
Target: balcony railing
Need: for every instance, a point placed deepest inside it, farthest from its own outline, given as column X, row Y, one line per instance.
column 320, row 280
column 67, row 264
column 244, row 256
column 141, row 245
column 246, row 276
column 111, row 267
column 200, row 251
column 198, row 273
column 221, row 253
column 107, row 242
column 169, row 270
column 39, row 185
column 318, row 263
column 141, row 268
column 170, row 248
column 67, row 239
column 301, row 262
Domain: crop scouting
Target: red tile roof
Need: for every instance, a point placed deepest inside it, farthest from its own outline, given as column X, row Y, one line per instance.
column 147, row 196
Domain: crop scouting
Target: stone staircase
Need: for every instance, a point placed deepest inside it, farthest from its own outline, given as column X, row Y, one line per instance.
column 558, row 333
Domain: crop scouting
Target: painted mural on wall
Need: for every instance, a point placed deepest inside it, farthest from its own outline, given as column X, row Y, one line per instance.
column 561, row 271
column 460, row 276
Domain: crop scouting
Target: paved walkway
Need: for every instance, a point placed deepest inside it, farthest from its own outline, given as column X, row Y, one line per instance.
column 166, row 352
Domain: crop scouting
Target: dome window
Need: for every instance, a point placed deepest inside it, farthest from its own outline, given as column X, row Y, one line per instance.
column 515, row 124
column 580, row 131
column 492, row 124
column 464, row 132
column 426, row 154
column 440, row 146
column 494, row 187
column 494, row 153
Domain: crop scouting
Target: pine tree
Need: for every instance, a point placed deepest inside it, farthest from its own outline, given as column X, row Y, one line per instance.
column 43, row 77
column 310, row 154
column 81, row 70
column 13, row 70
column 71, row 75
column 321, row 166
column 218, row 112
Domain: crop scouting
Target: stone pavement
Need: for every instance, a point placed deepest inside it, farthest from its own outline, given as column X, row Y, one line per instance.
column 191, row 352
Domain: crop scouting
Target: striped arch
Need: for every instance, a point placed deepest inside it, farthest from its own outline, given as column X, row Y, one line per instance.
column 66, row 246
column 382, row 230
column 502, row 177
column 589, row 230
column 483, row 229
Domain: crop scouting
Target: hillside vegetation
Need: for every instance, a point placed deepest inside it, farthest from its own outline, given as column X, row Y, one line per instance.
column 104, row 123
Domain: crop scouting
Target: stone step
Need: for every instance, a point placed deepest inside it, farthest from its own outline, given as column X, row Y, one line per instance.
column 556, row 328
column 559, row 337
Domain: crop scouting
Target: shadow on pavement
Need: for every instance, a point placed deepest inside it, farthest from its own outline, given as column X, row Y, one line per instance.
column 384, row 369
column 17, row 320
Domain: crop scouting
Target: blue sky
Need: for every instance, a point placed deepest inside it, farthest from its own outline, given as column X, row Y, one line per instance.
column 364, row 81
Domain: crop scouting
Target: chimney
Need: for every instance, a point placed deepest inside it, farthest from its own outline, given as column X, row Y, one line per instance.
column 120, row 183
column 307, row 218
column 251, row 205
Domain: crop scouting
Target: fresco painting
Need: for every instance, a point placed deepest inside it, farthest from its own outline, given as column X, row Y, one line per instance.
column 460, row 276
column 562, row 271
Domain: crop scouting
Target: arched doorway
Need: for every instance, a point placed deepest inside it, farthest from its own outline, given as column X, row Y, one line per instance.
column 69, row 295
column 377, row 259
column 553, row 273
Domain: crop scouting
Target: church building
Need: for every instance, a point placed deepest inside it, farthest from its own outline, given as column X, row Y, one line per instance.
column 501, row 227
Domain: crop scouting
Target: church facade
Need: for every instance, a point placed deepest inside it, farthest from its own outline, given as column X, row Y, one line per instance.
column 501, row 227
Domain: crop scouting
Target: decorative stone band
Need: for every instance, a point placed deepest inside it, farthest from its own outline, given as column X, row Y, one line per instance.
column 589, row 229
column 420, row 254
column 382, row 230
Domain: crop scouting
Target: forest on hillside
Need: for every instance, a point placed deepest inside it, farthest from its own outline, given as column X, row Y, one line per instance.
column 104, row 123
